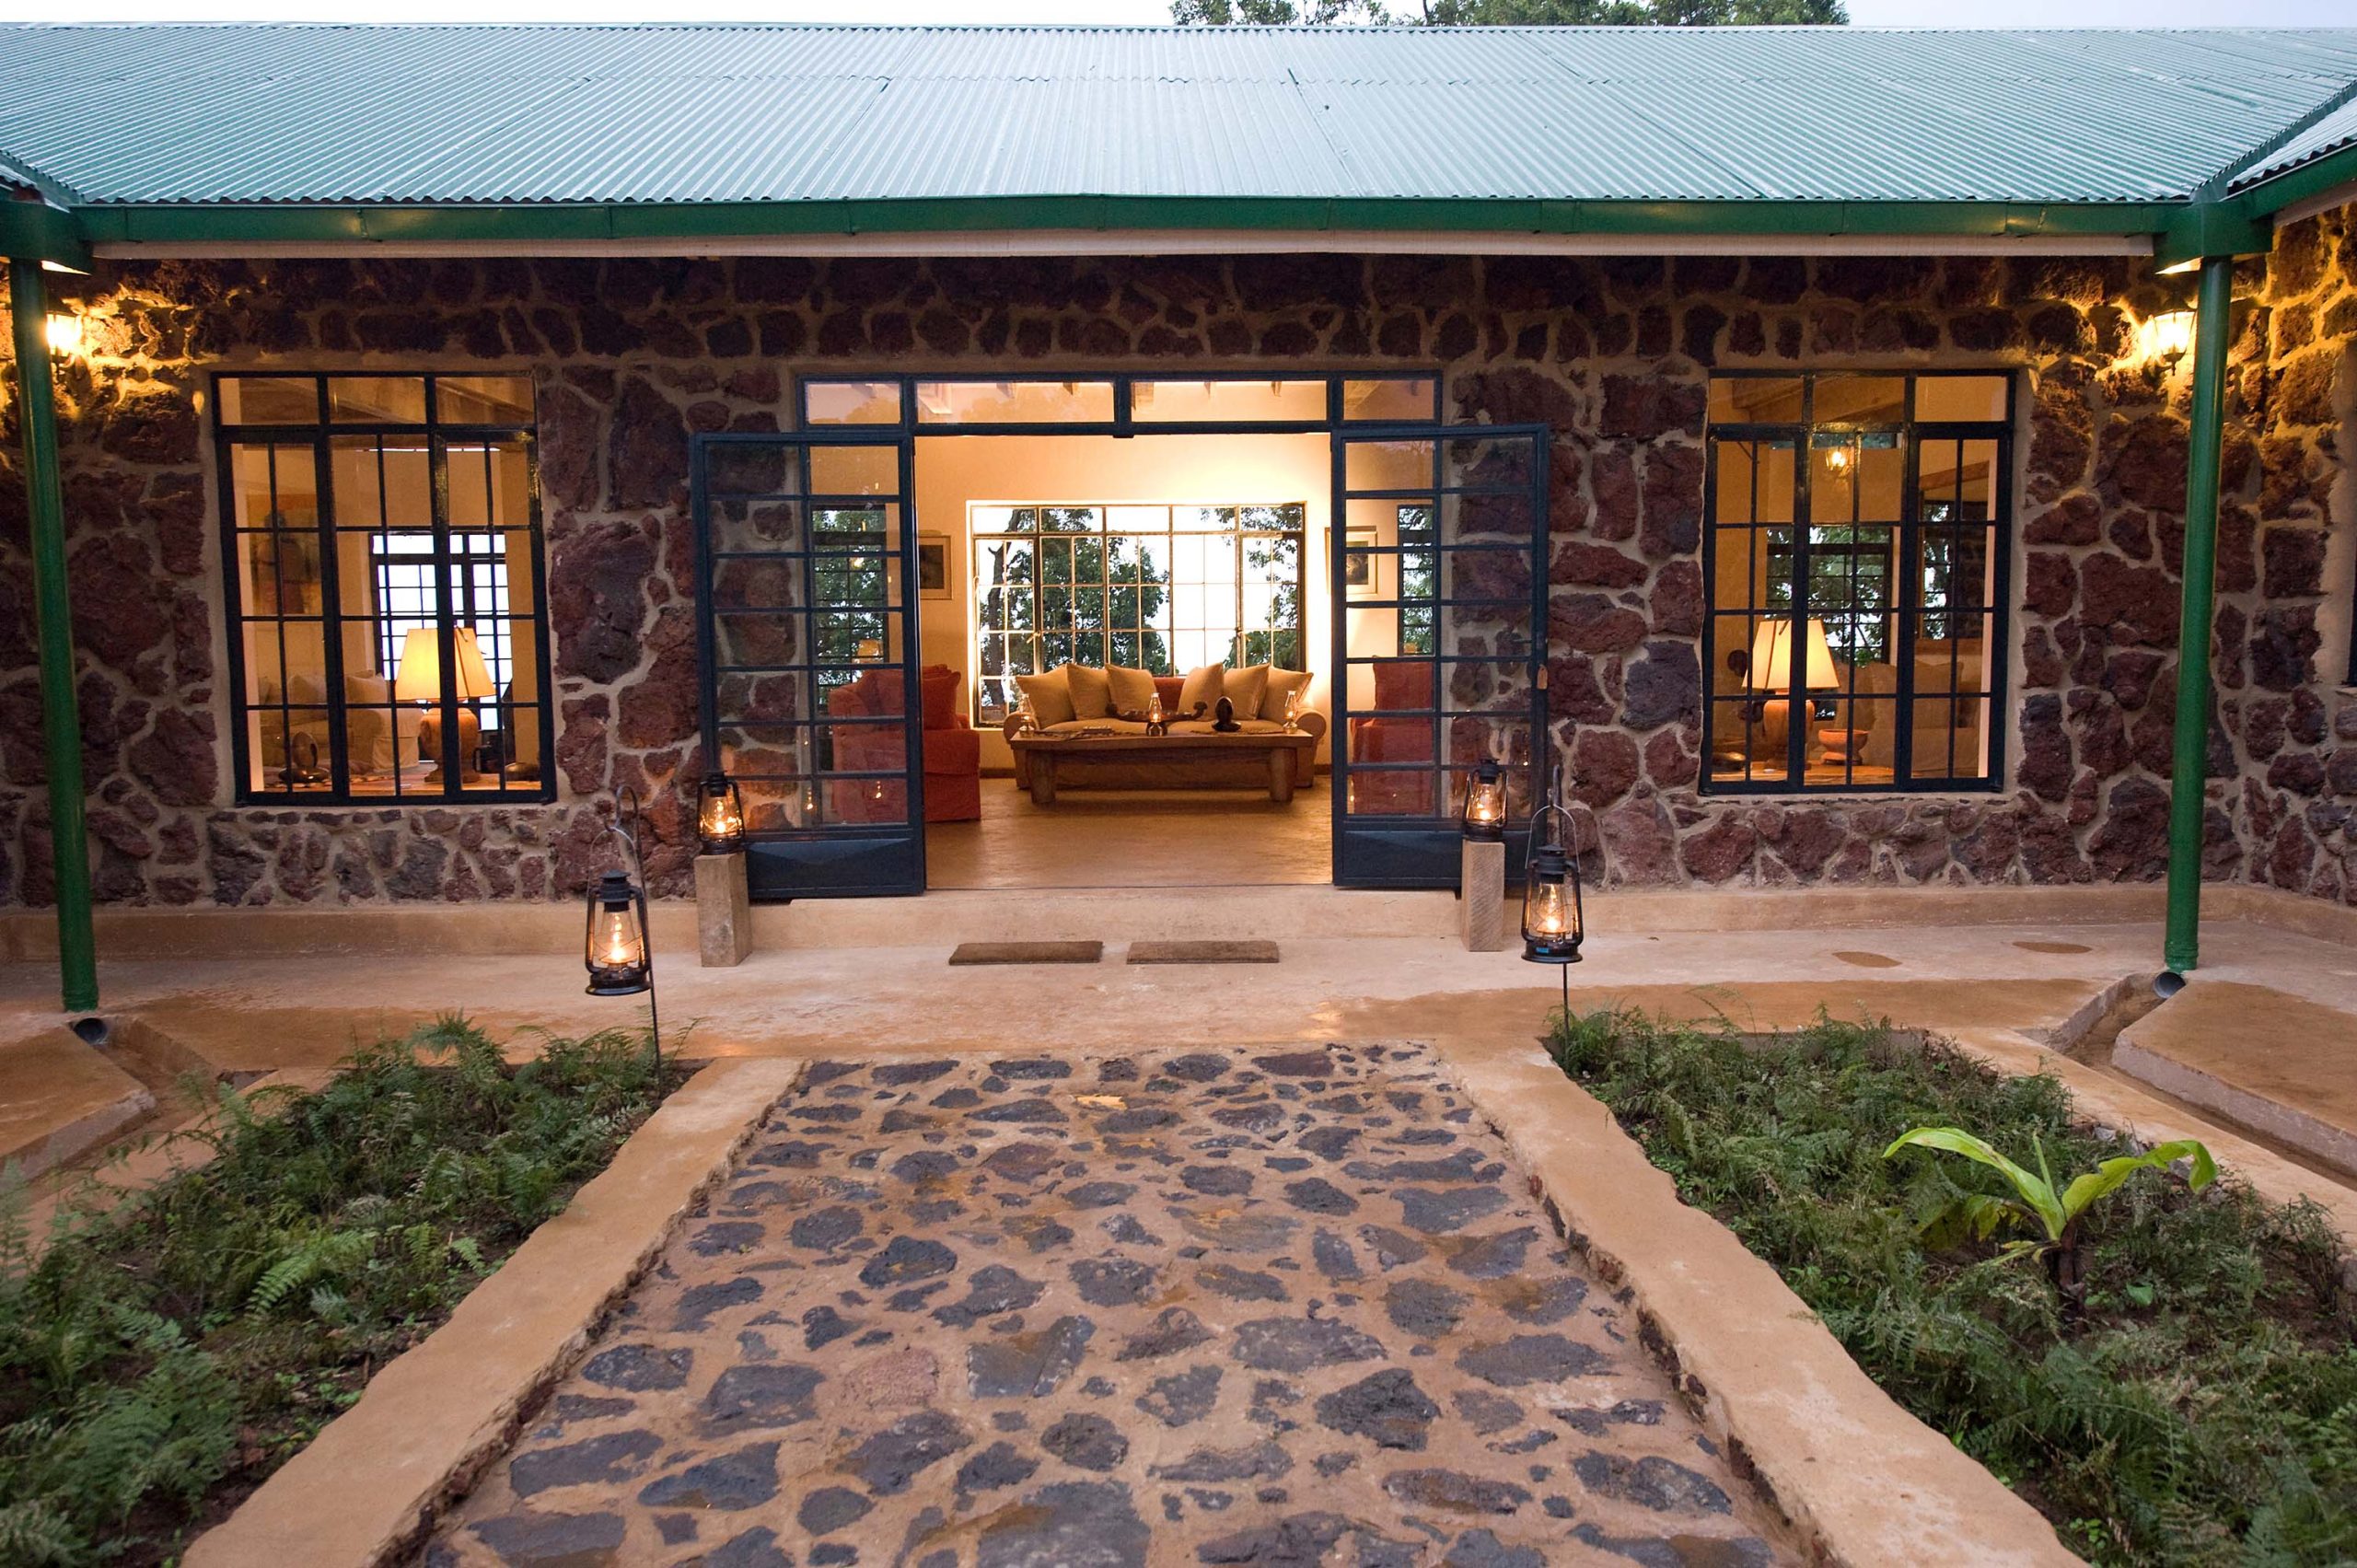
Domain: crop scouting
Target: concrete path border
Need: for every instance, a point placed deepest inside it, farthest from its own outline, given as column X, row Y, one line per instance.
column 1864, row 1483
column 367, row 1488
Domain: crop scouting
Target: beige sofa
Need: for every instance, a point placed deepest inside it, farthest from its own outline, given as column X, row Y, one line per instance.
column 1083, row 710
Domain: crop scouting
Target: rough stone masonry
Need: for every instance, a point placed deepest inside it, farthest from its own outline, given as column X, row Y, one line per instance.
column 1276, row 1308
column 631, row 356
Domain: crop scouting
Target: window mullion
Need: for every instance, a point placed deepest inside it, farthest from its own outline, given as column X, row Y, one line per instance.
column 330, row 624
column 444, row 620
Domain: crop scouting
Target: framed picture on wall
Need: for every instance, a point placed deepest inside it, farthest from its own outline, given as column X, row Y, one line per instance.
column 932, row 566
column 1358, row 564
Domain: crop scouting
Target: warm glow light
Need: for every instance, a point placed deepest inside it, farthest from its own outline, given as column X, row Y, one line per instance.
column 1837, row 458
column 66, row 335
column 1485, row 802
column 2165, row 339
column 418, row 677
column 1549, row 914
column 720, row 815
column 1771, row 657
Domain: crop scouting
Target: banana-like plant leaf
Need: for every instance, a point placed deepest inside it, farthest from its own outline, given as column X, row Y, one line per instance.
column 2037, row 1196
column 2107, row 1176
column 1975, row 1217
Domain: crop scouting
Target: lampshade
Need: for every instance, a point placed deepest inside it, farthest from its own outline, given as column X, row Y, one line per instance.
column 1771, row 657
column 419, row 678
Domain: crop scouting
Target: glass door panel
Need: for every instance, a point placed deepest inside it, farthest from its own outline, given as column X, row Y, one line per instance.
column 805, row 554
column 1438, row 582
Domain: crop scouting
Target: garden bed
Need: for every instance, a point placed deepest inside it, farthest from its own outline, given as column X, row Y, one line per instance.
column 2200, row 1407
column 158, row 1362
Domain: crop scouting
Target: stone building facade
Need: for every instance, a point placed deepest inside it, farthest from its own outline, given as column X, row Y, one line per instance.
column 629, row 356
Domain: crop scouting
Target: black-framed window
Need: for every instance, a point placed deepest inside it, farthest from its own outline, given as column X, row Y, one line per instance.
column 1150, row 586
column 381, row 535
column 1856, row 558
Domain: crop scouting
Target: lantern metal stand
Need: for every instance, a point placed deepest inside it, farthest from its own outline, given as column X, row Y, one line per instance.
column 617, row 947
column 724, row 901
column 1553, row 919
column 1482, row 861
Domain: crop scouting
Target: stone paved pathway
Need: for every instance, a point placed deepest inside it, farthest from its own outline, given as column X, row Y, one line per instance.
column 1210, row 1307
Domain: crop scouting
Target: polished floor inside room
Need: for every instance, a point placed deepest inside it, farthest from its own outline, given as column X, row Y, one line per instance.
column 1177, row 838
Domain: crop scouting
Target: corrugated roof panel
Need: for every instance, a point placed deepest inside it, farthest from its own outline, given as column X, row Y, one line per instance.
column 2330, row 135
column 679, row 113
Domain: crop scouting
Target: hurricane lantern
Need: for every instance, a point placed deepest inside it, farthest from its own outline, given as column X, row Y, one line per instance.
column 615, row 948
column 720, row 815
column 1484, row 815
column 1552, row 919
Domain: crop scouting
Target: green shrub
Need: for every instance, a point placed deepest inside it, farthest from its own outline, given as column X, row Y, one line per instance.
column 2201, row 1409
column 182, row 1345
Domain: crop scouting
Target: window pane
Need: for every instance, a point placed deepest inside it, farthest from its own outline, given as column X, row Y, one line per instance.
column 376, row 400
column 1756, row 399
column 1394, row 398
column 270, row 400
column 1015, row 403
column 483, row 400
column 1959, row 398
column 854, row 470
column 1859, row 399
column 1162, row 402
column 851, row 402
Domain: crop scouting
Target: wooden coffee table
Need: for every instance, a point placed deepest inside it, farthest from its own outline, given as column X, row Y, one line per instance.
column 1199, row 761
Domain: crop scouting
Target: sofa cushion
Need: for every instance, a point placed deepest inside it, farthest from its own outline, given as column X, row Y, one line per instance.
column 1049, row 695
column 1168, row 687
column 1205, row 686
column 1283, row 683
column 1133, row 689
column 1246, row 688
column 1092, row 691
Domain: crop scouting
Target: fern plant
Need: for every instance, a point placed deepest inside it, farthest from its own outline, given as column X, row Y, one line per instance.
column 2056, row 1213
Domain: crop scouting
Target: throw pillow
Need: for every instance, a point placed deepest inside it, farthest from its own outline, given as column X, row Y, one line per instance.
column 1283, row 683
column 1051, row 696
column 1092, row 692
column 1246, row 688
column 1132, row 690
column 1203, row 686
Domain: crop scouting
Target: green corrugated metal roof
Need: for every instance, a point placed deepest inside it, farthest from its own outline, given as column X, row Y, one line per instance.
column 172, row 116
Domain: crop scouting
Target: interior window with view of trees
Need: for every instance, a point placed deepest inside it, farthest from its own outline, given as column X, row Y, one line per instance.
column 1165, row 588
column 384, row 563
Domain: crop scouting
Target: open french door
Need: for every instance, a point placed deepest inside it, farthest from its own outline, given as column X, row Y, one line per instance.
column 1439, row 584
column 805, row 562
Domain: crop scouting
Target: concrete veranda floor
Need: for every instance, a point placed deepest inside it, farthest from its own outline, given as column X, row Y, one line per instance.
column 260, row 1012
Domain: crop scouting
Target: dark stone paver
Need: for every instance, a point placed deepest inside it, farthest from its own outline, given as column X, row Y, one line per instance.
column 1278, row 1307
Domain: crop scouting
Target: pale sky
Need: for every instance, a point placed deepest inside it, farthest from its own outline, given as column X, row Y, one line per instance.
column 1894, row 13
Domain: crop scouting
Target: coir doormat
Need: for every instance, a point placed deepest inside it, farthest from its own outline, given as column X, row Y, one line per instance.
column 1249, row 951
column 1028, row 953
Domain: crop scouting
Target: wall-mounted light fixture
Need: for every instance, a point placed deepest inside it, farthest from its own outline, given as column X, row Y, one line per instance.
column 64, row 334
column 2164, row 339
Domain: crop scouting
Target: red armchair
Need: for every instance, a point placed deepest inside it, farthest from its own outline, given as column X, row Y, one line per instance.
column 1410, row 684
column 952, row 749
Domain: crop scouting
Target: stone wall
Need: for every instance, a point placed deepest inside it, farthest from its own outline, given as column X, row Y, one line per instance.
column 631, row 356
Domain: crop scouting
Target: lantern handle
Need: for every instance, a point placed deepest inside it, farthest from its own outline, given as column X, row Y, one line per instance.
column 629, row 835
column 1554, row 805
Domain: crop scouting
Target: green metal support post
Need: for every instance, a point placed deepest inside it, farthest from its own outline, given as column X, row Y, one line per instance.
column 2189, row 768
column 61, row 722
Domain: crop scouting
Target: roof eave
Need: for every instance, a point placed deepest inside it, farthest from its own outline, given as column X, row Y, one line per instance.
column 159, row 227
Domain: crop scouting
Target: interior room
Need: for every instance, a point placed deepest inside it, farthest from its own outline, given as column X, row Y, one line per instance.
column 1102, row 595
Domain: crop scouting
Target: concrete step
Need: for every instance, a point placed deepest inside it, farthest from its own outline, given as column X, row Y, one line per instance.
column 64, row 1098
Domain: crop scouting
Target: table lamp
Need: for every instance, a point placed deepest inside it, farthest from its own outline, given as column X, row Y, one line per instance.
column 419, row 680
